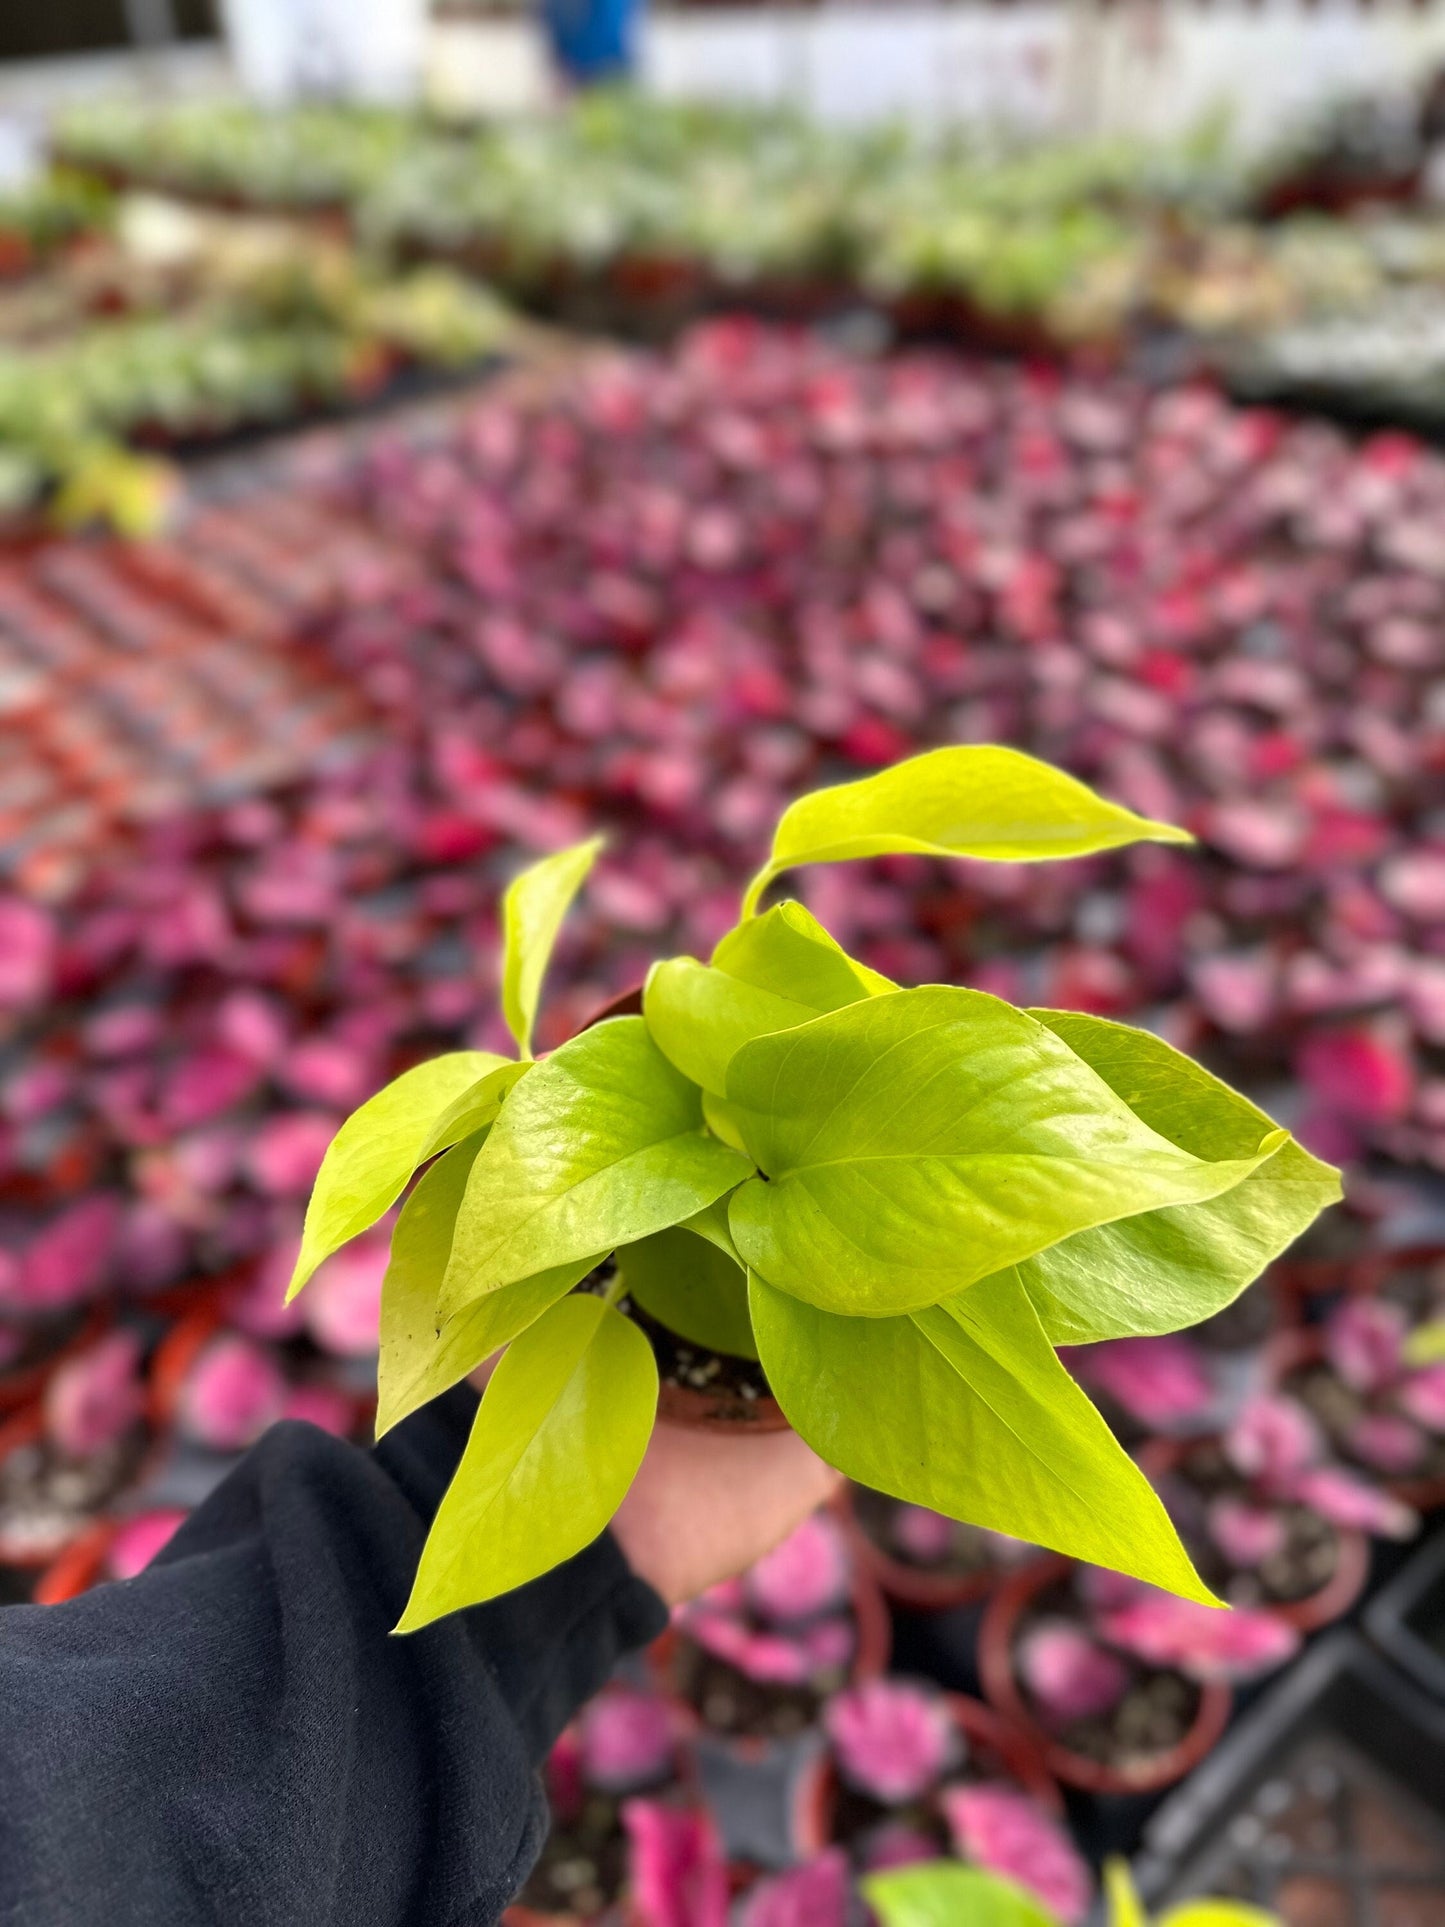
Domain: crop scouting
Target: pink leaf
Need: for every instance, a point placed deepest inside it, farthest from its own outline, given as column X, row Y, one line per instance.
column 1359, row 1072
column 1246, row 1534
column 1003, row 1831
column 95, row 1398
column 923, row 1536
column 897, row 1844
column 1365, row 1342
column 1200, row 1641
column 1422, row 1395
column 813, row 1895
column 138, row 1540
column 1272, row 1436
column 1387, row 1442
column 627, row 1740
column 286, row 1153
column 27, row 954
column 71, row 1259
column 1068, row 1674
column 892, row 1740
column 234, row 1391
column 804, row 1576
column 1347, row 1501
column 677, row 1873
column 324, row 1406
column 343, row 1301
column 1158, row 1381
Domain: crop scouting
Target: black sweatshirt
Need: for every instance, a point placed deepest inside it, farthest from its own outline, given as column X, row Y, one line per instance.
column 235, row 1737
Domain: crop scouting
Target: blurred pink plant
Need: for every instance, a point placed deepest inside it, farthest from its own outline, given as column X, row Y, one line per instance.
column 1365, row 1342
column 1201, row 1641
column 1386, row 1441
column 1273, row 1436
column 1346, row 1500
column 677, row 1875
column 627, row 1739
column 1161, row 1382
column 234, row 1391
column 806, row 1575
column 325, row 1406
column 95, row 1398
column 1006, row 1832
column 139, row 1539
column 71, row 1259
column 1422, row 1395
column 923, row 1536
column 1068, row 1674
column 813, row 1895
column 1362, row 1072
column 343, row 1301
column 285, row 1154
column 27, row 954
column 898, row 1844
column 892, row 1740
column 1245, row 1533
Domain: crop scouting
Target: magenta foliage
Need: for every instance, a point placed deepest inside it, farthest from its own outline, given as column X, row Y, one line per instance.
column 1161, row 1382
column 1273, row 1437
column 1361, row 1072
column 813, row 1895
column 804, row 1576
column 897, row 1844
column 138, row 1540
column 1068, row 1674
column 923, row 1536
column 1387, row 1442
column 677, row 1873
column 1007, row 1833
column 566, row 1789
column 286, row 1153
column 95, row 1398
column 1422, row 1395
column 324, row 1406
column 71, row 1259
column 234, row 1391
column 891, row 1739
column 772, row 1658
column 1246, row 1534
column 627, row 1738
column 343, row 1301
column 1365, row 1342
column 27, row 954
column 1200, row 1641
column 1346, row 1500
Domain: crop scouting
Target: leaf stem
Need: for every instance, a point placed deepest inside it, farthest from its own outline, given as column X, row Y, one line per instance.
column 614, row 1289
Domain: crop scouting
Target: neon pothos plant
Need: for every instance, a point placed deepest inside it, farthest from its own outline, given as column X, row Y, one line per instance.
column 899, row 1201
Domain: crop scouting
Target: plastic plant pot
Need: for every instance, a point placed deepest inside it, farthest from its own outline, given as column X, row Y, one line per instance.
column 1407, row 1619
column 1297, row 1350
column 27, row 1428
column 1327, row 1803
column 1150, row 1773
column 76, row 1569
column 1331, row 1601
column 984, row 1731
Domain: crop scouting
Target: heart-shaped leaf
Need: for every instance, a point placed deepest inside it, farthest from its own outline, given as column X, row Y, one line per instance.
column 769, row 974
column 687, row 1284
column 370, row 1159
column 557, row 1441
column 973, row 800
column 916, row 1142
column 532, row 912
column 945, row 1893
column 599, row 1145
column 966, row 1409
column 418, row 1363
column 1170, row 1268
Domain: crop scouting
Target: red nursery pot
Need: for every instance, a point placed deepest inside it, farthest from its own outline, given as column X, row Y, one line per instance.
column 76, row 1569
column 1352, row 1557
column 912, row 1586
column 815, row 1799
column 1000, row 1684
column 174, row 1357
column 1293, row 1351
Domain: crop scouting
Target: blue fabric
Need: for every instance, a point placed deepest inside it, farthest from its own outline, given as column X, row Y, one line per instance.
column 592, row 39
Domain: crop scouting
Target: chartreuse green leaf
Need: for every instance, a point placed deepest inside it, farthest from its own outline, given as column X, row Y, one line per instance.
column 476, row 1107
column 691, row 1287
column 972, row 800
column 1426, row 1344
column 417, row 1361
column 916, row 1142
column 1166, row 1269
column 769, row 974
column 556, row 1442
column 1126, row 1909
column 532, row 913
column 600, row 1144
column 965, row 1408
column 712, row 1224
column 945, row 1893
column 368, row 1162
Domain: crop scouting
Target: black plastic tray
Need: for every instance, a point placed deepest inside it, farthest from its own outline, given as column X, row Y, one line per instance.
column 1401, row 1618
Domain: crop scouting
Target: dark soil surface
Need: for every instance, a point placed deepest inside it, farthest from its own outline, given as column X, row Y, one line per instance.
column 583, row 1867
column 1305, row 1563
column 45, row 1499
column 970, row 1551
column 739, row 1380
column 732, row 1703
column 1337, row 1408
column 1156, row 1712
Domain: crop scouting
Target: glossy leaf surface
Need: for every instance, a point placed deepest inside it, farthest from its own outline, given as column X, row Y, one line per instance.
column 599, row 1145
column 967, row 1410
column 474, row 1109
column 532, row 912
column 945, row 1893
column 417, row 1362
column 919, row 1141
column 557, row 1441
column 686, row 1282
column 971, row 800
column 372, row 1156
column 1173, row 1267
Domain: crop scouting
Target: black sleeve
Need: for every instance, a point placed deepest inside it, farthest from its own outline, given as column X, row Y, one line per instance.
column 234, row 1737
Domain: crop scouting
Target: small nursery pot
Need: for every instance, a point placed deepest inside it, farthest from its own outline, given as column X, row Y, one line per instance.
column 26, row 1383
column 1297, row 1350
column 174, row 1357
column 26, row 1428
column 815, row 1800
column 1329, row 1602
column 911, row 1586
column 1000, row 1683
column 78, row 1568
